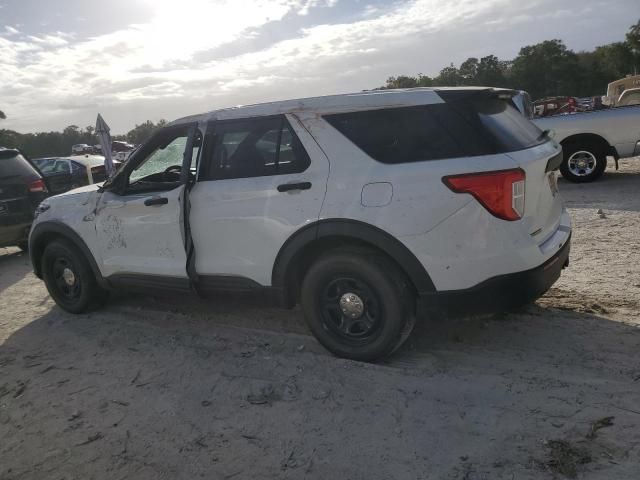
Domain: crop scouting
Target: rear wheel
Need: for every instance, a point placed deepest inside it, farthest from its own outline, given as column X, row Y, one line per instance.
column 583, row 162
column 69, row 278
column 357, row 304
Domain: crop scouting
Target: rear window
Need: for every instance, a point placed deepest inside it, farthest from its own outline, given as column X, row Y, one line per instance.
column 462, row 127
column 13, row 164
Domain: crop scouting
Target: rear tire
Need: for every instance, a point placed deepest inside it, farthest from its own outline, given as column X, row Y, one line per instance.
column 69, row 278
column 358, row 304
column 583, row 162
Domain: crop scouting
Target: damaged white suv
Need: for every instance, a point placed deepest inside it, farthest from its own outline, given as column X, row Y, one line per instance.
column 369, row 209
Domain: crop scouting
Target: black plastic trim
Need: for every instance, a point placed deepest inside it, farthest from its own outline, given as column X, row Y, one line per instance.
column 149, row 282
column 349, row 229
column 226, row 283
column 52, row 227
column 554, row 162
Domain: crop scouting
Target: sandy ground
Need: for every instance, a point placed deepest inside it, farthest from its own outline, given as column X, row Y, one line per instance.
column 162, row 388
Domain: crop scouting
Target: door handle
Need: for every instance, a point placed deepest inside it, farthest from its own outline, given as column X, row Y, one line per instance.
column 156, row 201
column 287, row 187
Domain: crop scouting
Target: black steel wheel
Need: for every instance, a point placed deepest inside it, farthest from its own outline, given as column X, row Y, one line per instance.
column 69, row 278
column 351, row 309
column 358, row 304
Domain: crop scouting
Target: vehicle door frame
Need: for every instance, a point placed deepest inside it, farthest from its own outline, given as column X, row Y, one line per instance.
column 119, row 183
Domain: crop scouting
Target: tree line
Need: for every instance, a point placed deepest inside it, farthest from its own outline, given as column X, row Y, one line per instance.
column 545, row 69
column 43, row 144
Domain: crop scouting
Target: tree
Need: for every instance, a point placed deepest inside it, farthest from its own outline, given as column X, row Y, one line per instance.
column 141, row 132
column 633, row 41
column 546, row 69
column 490, row 72
column 449, row 76
column 2, row 115
column 469, row 71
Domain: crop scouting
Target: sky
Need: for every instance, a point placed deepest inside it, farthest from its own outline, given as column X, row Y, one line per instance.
column 64, row 61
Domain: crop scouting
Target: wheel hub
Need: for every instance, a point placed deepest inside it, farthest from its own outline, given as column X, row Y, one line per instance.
column 351, row 305
column 69, row 277
column 582, row 163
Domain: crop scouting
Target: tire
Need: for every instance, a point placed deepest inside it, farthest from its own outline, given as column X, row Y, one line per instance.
column 583, row 163
column 24, row 246
column 381, row 307
column 69, row 278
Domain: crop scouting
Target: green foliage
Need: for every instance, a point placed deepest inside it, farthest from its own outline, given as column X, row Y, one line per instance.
column 545, row 69
column 45, row 144
column 141, row 132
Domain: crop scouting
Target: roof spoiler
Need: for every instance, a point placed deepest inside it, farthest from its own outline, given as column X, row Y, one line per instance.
column 454, row 95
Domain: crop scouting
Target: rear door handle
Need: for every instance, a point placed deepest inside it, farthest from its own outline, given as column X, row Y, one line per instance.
column 287, row 187
column 156, row 201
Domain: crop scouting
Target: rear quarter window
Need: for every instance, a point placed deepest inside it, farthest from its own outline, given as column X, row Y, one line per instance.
column 12, row 165
column 459, row 128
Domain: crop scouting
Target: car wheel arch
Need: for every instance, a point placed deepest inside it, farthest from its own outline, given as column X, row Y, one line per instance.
column 306, row 244
column 45, row 232
column 590, row 139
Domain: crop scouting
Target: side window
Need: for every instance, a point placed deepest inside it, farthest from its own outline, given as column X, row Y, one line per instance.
column 255, row 148
column 447, row 130
column 76, row 168
column 62, row 167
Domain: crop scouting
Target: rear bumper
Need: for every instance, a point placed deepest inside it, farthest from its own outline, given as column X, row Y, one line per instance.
column 503, row 292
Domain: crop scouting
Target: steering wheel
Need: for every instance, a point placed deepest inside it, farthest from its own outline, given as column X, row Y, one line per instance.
column 173, row 170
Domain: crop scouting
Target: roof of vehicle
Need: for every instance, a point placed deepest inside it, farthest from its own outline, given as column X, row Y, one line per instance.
column 324, row 105
column 87, row 160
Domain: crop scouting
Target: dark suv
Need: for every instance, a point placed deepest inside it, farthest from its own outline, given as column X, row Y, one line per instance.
column 22, row 188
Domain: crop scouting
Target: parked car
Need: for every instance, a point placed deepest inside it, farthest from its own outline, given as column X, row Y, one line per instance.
column 22, row 188
column 550, row 106
column 629, row 97
column 617, row 88
column 588, row 138
column 370, row 209
column 67, row 173
column 81, row 148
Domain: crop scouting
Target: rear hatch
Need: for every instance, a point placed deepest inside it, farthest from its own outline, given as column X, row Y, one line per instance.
column 507, row 131
column 543, row 205
column 21, row 188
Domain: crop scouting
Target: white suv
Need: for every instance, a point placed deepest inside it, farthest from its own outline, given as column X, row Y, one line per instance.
column 368, row 209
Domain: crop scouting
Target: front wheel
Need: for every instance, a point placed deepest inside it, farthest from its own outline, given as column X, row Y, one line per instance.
column 583, row 163
column 357, row 304
column 69, row 278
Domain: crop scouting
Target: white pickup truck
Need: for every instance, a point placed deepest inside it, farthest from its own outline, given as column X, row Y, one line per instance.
column 588, row 138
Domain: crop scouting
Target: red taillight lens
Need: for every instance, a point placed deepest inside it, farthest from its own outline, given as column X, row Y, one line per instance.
column 501, row 192
column 37, row 186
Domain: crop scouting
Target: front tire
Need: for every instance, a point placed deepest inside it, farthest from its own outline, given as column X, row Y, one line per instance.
column 69, row 279
column 583, row 163
column 358, row 304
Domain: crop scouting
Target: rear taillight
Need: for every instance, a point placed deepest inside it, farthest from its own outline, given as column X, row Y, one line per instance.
column 500, row 192
column 37, row 186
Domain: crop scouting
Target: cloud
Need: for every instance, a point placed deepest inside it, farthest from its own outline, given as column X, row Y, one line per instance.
column 218, row 54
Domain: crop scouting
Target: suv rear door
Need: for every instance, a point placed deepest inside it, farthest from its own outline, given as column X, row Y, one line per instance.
column 262, row 179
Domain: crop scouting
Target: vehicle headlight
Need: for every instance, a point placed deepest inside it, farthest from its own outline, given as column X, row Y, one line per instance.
column 43, row 207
